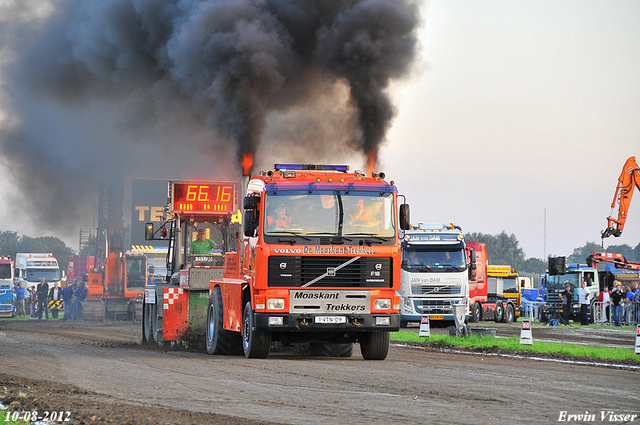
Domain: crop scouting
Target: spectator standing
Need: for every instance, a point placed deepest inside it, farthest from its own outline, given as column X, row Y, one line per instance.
column 584, row 304
column 566, row 297
column 43, row 293
column 628, row 305
column 33, row 299
column 67, row 295
column 604, row 299
column 20, row 297
column 55, row 294
column 79, row 294
column 636, row 301
column 616, row 300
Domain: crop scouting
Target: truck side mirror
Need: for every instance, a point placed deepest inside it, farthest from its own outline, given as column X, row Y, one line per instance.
column 250, row 223
column 148, row 231
column 251, row 202
column 405, row 222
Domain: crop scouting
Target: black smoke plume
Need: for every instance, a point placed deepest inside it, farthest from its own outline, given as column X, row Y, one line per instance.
column 164, row 88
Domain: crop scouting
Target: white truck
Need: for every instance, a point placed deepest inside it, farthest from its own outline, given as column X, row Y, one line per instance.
column 434, row 273
column 31, row 267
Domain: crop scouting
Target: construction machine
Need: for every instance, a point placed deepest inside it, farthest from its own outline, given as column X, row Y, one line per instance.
column 629, row 178
column 115, row 285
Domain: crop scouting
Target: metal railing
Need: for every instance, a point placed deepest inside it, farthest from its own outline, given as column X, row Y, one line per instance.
column 604, row 313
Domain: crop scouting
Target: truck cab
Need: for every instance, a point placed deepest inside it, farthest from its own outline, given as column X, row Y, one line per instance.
column 575, row 274
column 434, row 273
column 7, row 294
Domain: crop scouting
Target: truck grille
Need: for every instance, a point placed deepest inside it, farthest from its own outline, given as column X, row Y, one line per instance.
column 339, row 272
column 432, row 306
column 435, row 289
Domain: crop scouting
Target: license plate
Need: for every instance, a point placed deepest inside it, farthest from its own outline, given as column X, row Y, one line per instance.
column 331, row 319
column 437, row 317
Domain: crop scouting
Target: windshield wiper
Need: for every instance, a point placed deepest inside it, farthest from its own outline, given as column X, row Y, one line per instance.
column 299, row 235
column 333, row 235
column 379, row 239
column 458, row 269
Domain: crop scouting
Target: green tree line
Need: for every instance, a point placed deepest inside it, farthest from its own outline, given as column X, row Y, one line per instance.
column 504, row 249
column 11, row 243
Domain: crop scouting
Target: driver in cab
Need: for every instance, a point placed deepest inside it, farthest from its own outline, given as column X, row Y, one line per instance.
column 202, row 245
column 279, row 218
column 359, row 214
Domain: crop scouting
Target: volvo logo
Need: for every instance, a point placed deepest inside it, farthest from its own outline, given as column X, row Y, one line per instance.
column 378, row 266
column 331, row 271
column 283, row 266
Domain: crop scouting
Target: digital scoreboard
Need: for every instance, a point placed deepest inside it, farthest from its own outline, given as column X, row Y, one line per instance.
column 204, row 197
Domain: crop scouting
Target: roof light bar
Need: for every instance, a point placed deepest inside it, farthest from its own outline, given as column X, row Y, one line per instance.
column 311, row 167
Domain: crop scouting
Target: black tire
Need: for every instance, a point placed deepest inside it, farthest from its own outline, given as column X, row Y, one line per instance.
column 219, row 340
column 147, row 323
column 510, row 314
column 331, row 349
column 476, row 313
column 499, row 313
column 375, row 345
column 403, row 323
column 256, row 343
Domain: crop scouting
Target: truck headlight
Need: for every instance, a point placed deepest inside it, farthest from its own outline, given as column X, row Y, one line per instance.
column 382, row 304
column 275, row 304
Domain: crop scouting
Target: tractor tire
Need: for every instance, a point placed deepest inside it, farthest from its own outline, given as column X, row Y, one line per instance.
column 331, row 349
column 218, row 339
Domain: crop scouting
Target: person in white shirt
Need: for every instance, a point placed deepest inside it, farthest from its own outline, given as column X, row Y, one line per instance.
column 584, row 304
column 605, row 299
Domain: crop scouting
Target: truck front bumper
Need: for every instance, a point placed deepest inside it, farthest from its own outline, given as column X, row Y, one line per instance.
column 347, row 323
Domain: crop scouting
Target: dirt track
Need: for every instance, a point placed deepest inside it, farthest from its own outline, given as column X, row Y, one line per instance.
column 100, row 374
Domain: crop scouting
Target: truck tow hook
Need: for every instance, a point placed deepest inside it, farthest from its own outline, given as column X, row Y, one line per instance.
column 304, row 320
column 355, row 320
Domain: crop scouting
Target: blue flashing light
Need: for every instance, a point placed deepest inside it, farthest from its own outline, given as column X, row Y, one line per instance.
column 321, row 167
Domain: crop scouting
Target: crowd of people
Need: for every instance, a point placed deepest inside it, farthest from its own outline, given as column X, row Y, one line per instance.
column 38, row 301
column 620, row 304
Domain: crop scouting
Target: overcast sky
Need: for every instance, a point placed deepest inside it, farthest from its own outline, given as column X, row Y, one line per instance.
column 517, row 117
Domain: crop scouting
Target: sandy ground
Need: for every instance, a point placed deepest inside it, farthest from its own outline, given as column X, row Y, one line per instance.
column 98, row 373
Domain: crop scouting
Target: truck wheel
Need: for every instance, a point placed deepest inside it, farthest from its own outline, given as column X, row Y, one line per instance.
column 375, row 345
column 218, row 339
column 592, row 311
column 476, row 313
column 499, row 313
column 255, row 343
column 331, row 349
column 510, row 314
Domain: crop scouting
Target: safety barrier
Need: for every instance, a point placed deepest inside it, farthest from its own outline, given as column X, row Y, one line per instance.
column 532, row 310
column 604, row 313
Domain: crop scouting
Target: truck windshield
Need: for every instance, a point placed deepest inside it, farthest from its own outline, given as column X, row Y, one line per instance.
column 510, row 285
column 419, row 259
column 5, row 271
column 330, row 213
column 50, row 275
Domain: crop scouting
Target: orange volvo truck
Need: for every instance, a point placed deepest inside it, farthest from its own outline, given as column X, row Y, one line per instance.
column 318, row 262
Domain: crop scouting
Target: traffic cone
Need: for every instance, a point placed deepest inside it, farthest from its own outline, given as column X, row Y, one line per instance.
column 424, row 327
column 637, row 340
column 525, row 333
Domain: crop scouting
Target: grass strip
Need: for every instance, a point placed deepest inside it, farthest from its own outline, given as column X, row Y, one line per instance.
column 513, row 343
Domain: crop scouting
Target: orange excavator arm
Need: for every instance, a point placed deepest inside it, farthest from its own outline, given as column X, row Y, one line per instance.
column 629, row 178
